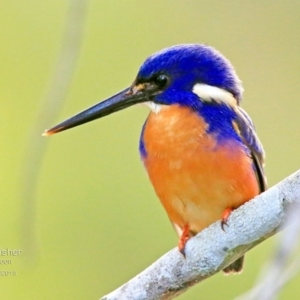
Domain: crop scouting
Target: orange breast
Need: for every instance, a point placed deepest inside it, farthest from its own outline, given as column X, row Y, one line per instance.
column 195, row 177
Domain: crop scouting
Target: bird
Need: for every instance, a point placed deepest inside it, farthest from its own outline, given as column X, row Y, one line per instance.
column 198, row 146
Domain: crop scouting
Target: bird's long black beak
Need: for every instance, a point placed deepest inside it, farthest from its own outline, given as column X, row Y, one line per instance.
column 123, row 99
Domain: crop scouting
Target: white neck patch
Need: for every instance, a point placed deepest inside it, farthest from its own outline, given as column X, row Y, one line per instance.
column 156, row 108
column 210, row 93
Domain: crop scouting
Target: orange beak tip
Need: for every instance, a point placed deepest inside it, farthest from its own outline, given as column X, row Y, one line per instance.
column 47, row 133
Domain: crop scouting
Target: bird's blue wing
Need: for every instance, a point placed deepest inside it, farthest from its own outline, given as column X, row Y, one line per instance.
column 248, row 135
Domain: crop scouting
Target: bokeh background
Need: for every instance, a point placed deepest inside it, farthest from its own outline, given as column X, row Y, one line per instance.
column 94, row 221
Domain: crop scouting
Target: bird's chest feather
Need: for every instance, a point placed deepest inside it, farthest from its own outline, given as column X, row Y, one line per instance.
column 195, row 176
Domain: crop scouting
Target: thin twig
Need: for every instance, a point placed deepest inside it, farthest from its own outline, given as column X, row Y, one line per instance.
column 50, row 106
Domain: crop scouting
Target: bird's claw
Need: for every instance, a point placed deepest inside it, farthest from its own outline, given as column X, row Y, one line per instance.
column 185, row 236
column 225, row 215
column 223, row 223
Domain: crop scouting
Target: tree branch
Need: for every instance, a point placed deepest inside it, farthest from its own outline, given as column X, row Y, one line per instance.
column 213, row 249
column 282, row 266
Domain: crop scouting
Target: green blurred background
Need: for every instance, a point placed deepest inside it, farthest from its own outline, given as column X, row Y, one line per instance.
column 97, row 221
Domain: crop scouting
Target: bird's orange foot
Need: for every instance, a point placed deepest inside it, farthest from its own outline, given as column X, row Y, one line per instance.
column 225, row 215
column 185, row 235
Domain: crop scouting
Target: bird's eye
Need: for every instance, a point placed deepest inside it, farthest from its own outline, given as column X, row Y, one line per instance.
column 161, row 80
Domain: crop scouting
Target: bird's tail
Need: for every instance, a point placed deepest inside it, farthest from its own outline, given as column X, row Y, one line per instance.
column 235, row 268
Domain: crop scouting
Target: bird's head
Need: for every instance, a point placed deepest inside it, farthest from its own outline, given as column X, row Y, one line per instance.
column 188, row 74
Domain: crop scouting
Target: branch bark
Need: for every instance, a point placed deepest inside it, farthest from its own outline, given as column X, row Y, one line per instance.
column 213, row 249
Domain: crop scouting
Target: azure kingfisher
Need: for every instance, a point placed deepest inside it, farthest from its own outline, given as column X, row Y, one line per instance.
column 198, row 145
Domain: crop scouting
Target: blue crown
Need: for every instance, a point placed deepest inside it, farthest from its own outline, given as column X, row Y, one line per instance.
column 187, row 65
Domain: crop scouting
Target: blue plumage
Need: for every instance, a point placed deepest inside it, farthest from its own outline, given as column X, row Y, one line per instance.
column 188, row 64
